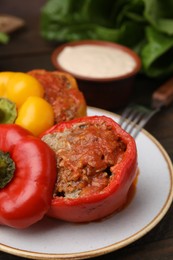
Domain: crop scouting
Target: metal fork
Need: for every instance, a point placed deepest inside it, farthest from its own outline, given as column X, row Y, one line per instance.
column 135, row 117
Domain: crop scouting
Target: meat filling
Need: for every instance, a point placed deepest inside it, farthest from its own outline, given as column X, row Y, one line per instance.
column 85, row 154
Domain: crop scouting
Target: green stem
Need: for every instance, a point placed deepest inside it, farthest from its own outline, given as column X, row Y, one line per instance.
column 1, row 115
column 8, row 111
column 7, row 168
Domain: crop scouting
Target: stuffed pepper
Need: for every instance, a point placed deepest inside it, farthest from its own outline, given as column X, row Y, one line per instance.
column 96, row 166
column 62, row 92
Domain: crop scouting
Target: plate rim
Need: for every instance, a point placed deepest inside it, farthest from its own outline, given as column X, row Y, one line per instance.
column 115, row 246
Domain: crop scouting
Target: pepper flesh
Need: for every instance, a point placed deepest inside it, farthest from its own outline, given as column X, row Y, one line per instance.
column 20, row 86
column 4, row 79
column 35, row 115
column 27, row 197
column 103, row 201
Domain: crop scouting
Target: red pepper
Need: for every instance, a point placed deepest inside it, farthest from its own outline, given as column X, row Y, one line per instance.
column 27, row 177
column 104, row 175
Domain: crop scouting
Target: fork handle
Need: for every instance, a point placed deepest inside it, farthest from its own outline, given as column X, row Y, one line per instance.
column 163, row 96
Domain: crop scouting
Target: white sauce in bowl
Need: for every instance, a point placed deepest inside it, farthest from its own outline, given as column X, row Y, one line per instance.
column 96, row 61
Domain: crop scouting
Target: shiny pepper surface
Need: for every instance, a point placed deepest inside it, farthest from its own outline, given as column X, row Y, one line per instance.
column 27, row 177
column 4, row 79
column 35, row 115
column 20, row 86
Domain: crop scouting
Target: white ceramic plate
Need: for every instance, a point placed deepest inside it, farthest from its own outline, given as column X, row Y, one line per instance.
column 54, row 239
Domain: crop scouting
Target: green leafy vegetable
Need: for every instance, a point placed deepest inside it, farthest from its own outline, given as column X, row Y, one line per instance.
column 4, row 38
column 146, row 26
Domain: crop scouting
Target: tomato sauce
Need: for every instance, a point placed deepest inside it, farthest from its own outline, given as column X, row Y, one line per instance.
column 85, row 154
column 66, row 99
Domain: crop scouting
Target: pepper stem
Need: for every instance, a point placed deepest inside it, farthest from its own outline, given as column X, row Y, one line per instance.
column 8, row 111
column 7, row 168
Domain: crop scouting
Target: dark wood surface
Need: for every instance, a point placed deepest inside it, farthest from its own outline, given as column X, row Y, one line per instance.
column 27, row 50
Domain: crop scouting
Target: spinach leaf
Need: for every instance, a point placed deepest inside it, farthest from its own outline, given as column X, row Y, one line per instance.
column 157, row 53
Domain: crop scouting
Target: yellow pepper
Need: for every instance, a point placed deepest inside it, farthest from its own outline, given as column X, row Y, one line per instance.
column 36, row 115
column 21, row 90
column 18, row 86
column 4, row 79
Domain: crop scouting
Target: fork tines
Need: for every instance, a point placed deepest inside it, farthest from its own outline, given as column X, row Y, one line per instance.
column 135, row 117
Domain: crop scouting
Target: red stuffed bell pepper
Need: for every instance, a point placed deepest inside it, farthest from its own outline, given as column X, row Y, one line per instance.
column 96, row 166
column 27, row 177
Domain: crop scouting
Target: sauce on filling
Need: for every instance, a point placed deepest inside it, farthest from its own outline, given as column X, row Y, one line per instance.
column 85, row 154
column 96, row 61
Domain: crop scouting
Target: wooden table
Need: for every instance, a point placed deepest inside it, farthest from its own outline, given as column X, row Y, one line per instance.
column 26, row 51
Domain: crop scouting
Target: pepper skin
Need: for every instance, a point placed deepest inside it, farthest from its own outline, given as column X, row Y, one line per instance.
column 94, row 205
column 4, row 79
column 26, row 198
column 20, row 86
column 35, row 115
